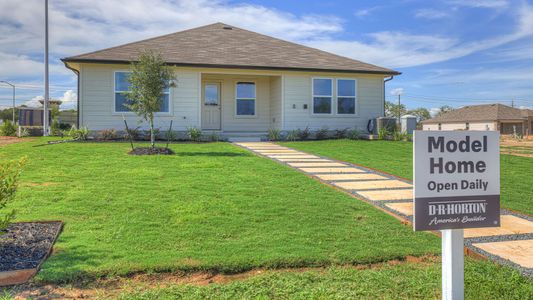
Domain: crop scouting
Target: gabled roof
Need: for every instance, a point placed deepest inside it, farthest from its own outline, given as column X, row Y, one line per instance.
column 225, row 46
column 486, row 112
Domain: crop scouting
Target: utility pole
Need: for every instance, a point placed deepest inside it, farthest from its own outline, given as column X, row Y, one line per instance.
column 46, row 84
column 512, row 103
column 399, row 112
column 13, row 86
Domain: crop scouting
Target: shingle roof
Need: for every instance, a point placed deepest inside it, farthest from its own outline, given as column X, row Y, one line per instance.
column 486, row 112
column 221, row 45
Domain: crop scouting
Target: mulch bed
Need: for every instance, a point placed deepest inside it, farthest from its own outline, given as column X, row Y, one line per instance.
column 26, row 245
column 151, row 151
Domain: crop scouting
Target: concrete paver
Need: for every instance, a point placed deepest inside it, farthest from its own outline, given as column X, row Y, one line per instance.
column 405, row 208
column 519, row 252
column 361, row 176
column 375, row 184
column 332, row 170
column 509, row 225
column 316, row 164
column 388, row 195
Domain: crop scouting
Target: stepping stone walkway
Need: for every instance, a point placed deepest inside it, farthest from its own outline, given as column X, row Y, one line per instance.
column 510, row 244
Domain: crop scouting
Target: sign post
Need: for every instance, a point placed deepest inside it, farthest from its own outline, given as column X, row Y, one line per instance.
column 456, row 186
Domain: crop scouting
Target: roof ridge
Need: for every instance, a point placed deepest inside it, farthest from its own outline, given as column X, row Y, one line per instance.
column 141, row 41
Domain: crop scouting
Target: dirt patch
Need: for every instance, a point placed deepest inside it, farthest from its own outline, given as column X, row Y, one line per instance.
column 523, row 147
column 35, row 184
column 6, row 140
column 112, row 288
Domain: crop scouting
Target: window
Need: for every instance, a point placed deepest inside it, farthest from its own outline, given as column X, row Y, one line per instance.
column 121, row 89
column 245, row 98
column 322, row 95
column 346, row 91
column 467, row 126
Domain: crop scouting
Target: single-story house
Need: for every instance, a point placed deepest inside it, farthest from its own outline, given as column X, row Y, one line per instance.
column 503, row 118
column 231, row 80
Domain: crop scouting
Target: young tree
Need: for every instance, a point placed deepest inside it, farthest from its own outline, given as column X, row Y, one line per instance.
column 149, row 77
column 9, row 174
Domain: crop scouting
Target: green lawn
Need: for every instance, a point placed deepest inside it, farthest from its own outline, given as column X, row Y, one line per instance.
column 397, row 158
column 210, row 207
column 483, row 280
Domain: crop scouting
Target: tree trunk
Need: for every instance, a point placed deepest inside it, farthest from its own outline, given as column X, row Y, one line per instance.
column 152, row 135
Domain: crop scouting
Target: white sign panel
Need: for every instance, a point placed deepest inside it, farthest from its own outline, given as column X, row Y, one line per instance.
column 456, row 179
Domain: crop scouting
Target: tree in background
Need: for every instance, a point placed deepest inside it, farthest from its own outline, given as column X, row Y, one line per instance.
column 149, row 77
column 7, row 114
column 444, row 109
column 393, row 110
column 421, row 113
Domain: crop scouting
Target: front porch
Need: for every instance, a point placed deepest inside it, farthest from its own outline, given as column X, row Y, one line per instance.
column 235, row 105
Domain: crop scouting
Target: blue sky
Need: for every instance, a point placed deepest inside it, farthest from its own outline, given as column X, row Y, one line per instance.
column 450, row 51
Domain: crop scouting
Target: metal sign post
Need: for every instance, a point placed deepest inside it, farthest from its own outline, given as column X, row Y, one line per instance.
column 456, row 186
column 453, row 286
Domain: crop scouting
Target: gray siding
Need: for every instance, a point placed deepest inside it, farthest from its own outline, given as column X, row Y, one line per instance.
column 298, row 91
column 97, row 101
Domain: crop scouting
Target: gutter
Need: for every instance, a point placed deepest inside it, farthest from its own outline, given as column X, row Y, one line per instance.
column 223, row 66
column 77, row 92
column 385, row 81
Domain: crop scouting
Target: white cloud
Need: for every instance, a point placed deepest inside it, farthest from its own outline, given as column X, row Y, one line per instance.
column 68, row 97
column 397, row 91
column 431, row 14
column 434, row 111
column 480, row 3
column 34, row 102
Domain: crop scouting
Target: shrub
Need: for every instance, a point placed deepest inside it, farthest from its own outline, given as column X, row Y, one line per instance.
column 274, row 134
column 9, row 175
column 341, row 133
column 134, row 133
column 194, row 134
column 8, row 129
column 322, row 133
column 382, row 133
column 108, row 134
column 354, row 134
column 170, row 135
column 304, row 134
column 81, row 134
column 214, row 137
column 24, row 132
column 292, row 135
column 55, row 128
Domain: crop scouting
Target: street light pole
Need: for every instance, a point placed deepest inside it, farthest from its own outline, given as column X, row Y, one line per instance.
column 46, row 87
column 13, row 86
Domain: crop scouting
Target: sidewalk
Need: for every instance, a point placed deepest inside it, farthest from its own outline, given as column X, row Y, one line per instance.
column 510, row 244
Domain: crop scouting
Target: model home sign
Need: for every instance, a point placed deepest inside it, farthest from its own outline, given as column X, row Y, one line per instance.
column 456, row 179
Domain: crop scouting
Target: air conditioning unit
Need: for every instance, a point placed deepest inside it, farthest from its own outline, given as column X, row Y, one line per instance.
column 375, row 125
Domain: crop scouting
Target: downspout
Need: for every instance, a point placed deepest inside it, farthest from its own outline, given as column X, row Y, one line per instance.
column 385, row 81
column 77, row 93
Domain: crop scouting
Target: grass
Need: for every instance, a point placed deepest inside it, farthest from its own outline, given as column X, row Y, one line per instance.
column 483, row 280
column 210, row 207
column 397, row 158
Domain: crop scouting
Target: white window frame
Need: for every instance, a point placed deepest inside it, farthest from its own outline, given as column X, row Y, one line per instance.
column 160, row 113
column 255, row 99
column 337, row 96
column 322, row 96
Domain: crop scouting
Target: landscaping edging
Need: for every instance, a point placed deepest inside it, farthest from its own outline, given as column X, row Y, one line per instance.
column 20, row 269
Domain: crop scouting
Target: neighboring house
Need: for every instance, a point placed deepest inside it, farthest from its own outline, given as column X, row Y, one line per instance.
column 505, row 119
column 234, row 80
